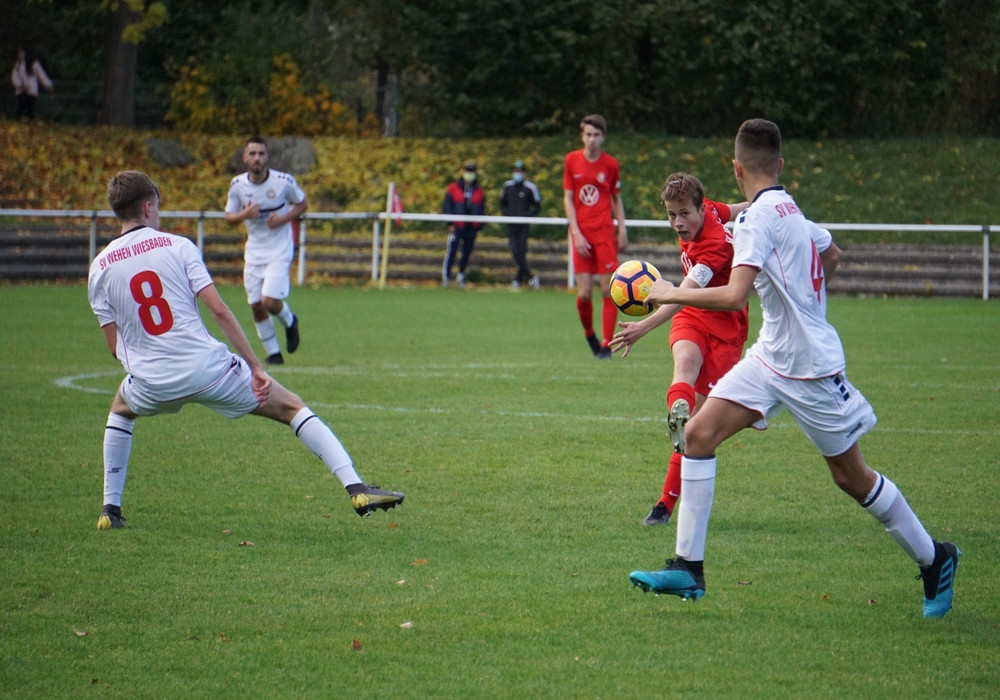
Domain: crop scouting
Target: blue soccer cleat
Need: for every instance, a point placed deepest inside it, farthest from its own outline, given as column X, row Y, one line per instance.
column 939, row 579
column 676, row 578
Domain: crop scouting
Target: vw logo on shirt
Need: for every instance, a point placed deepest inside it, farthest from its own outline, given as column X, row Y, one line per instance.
column 590, row 195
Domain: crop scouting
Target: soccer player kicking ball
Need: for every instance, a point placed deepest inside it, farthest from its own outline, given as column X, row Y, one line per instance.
column 144, row 288
column 796, row 363
column 705, row 344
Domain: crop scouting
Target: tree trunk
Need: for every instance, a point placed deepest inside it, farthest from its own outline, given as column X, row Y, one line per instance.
column 388, row 101
column 317, row 32
column 120, row 63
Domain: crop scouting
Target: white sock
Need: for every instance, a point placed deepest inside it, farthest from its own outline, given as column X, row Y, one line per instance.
column 324, row 444
column 117, row 448
column 697, row 493
column 267, row 335
column 889, row 507
column 285, row 315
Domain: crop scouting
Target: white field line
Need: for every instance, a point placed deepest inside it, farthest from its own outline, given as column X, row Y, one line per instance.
column 78, row 382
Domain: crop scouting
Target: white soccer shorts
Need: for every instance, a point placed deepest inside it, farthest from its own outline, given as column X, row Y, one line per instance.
column 272, row 280
column 832, row 413
column 230, row 396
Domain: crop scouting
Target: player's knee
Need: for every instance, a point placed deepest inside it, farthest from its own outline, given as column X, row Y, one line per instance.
column 699, row 439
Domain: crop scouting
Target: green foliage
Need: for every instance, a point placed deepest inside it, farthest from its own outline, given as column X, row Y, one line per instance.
column 896, row 181
column 197, row 104
column 149, row 16
column 528, row 467
column 249, row 80
column 684, row 67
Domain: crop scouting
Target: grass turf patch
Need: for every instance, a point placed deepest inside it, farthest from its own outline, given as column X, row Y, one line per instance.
column 528, row 467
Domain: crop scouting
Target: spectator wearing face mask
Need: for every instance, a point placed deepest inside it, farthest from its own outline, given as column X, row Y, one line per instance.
column 520, row 197
column 463, row 197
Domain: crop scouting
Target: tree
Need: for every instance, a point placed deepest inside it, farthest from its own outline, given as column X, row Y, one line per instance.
column 127, row 23
column 378, row 36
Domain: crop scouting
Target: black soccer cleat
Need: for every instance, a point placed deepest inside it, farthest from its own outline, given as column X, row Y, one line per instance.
column 658, row 516
column 275, row 359
column 939, row 579
column 292, row 335
column 372, row 498
column 594, row 343
column 110, row 518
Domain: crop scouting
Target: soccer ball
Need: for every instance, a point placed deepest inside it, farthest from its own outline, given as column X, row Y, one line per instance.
column 630, row 286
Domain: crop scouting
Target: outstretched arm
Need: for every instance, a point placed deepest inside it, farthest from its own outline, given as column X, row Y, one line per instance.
column 224, row 318
column 733, row 297
column 632, row 331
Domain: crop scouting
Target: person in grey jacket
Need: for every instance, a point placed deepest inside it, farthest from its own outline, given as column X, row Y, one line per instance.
column 520, row 197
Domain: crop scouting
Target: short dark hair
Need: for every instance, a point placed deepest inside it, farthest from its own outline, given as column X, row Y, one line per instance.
column 758, row 146
column 128, row 191
column 596, row 121
column 680, row 187
column 255, row 139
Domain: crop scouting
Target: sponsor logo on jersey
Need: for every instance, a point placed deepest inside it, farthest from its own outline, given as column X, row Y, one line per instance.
column 590, row 195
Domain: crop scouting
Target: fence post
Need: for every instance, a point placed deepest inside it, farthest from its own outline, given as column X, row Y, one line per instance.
column 93, row 236
column 201, row 233
column 570, row 272
column 986, row 262
column 300, row 228
column 376, row 236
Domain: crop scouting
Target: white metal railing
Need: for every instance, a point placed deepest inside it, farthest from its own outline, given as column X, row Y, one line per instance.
column 382, row 223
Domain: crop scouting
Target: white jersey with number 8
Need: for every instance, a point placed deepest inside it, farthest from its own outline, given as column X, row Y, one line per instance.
column 162, row 341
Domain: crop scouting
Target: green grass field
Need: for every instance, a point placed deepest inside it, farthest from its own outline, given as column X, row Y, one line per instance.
column 528, row 467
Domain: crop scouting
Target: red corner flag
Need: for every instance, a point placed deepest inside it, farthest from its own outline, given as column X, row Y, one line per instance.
column 397, row 206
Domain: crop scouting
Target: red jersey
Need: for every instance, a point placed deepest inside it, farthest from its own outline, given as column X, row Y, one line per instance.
column 713, row 249
column 594, row 185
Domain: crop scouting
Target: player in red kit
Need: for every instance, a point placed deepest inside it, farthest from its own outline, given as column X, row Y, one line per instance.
column 593, row 204
column 704, row 344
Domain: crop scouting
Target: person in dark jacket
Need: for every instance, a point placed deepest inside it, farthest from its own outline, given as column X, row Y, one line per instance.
column 464, row 198
column 520, row 197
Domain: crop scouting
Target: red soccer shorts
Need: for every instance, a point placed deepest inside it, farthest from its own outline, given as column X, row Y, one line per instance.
column 718, row 357
column 603, row 258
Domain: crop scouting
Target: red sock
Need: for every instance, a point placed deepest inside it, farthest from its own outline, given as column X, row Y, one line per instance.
column 609, row 317
column 680, row 390
column 672, row 484
column 585, row 308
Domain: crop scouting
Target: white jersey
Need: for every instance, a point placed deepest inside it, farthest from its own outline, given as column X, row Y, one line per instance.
column 147, row 282
column 275, row 195
column 796, row 340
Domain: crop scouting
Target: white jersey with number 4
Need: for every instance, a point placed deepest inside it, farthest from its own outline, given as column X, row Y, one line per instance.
column 275, row 195
column 147, row 282
column 795, row 340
